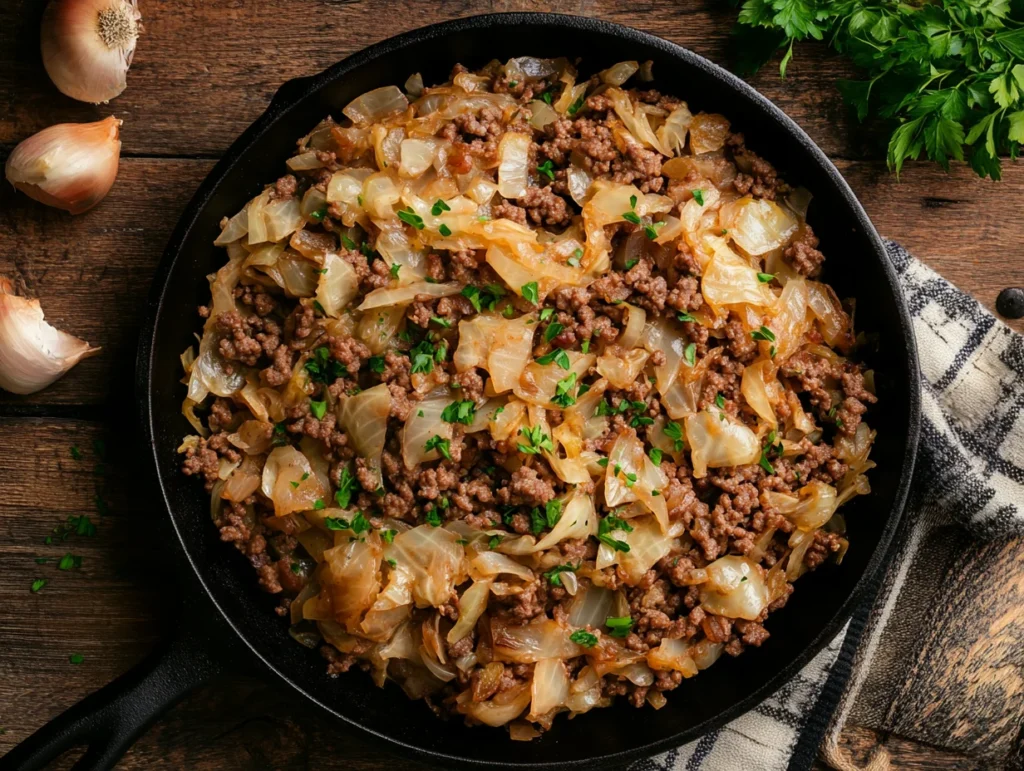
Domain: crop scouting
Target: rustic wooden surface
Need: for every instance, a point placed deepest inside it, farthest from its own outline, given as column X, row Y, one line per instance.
column 203, row 71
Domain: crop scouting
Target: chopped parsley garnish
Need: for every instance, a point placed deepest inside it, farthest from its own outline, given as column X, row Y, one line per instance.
column 563, row 391
column 76, row 453
column 319, row 308
column 603, row 463
column 483, row 298
column 536, row 439
column 388, row 535
column 422, row 357
column 347, row 242
column 319, row 409
column 547, row 169
column 547, row 96
column 686, row 317
column 494, row 543
column 376, row 364
column 443, row 446
column 652, row 229
column 530, row 292
column 433, row 518
column 409, row 217
column 438, row 207
column 631, row 263
column 608, row 525
column 319, row 505
column 296, row 568
column 459, row 412
column 552, row 512
column 546, row 314
column 558, row 356
column 360, row 524
column 720, row 402
column 574, row 261
column 690, row 354
column 76, row 658
column 347, row 484
column 584, row 638
column 366, row 249
column 537, row 521
column 575, row 106
column 641, row 420
column 770, row 449
column 585, row 346
column 630, row 479
column 620, row 625
column 444, row 230
column 632, row 202
column 675, row 432
column 554, row 575
column 765, row 278
column 763, row 334
column 321, row 368
column 441, row 322
column 631, row 216
column 392, row 562
column 38, row 584
column 319, row 214
column 393, row 270
column 508, row 312
column 655, row 455
column 698, row 196
column 69, row 561
column 553, row 330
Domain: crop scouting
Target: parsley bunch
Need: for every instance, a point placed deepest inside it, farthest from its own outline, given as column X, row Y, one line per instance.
column 949, row 74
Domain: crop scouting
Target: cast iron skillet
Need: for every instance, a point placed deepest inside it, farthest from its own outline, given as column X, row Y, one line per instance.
column 225, row 610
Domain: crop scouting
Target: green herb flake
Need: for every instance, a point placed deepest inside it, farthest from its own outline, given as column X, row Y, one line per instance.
column 460, row 412
column 76, row 453
column 620, row 625
column 438, row 207
column 444, row 230
column 443, row 446
column 409, row 217
column 347, row 485
column 319, row 214
column 76, row 658
column 558, row 356
column 686, row 317
column 319, row 409
column 348, row 243
column 585, row 346
column 38, row 584
column 552, row 331
column 584, row 638
column 388, row 535
column 392, row 562
column 631, row 216
column 720, row 402
column 675, row 432
column 655, row 455
column 495, row 542
column 577, row 105
column 698, row 196
column 690, row 354
column 765, row 278
column 536, row 441
column 763, row 333
column 530, row 292
column 547, row 169
column 554, row 576
column 652, row 230
column 441, row 322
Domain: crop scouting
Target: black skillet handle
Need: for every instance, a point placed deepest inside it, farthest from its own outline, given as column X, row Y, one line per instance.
column 111, row 719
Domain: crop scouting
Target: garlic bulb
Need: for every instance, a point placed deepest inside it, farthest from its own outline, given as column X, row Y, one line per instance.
column 88, row 46
column 71, row 165
column 32, row 353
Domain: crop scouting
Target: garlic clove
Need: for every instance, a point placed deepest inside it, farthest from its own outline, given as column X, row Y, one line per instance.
column 88, row 45
column 71, row 166
column 33, row 354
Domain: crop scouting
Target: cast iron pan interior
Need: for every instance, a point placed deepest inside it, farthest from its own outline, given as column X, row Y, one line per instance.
column 856, row 266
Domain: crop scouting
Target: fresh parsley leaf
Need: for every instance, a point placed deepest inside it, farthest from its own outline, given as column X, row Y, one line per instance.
column 620, row 625
column 655, row 455
column 547, row 169
column 422, row 356
column 348, row 243
column 433, row 518
column 559, row 356
column 530, row 292
column 675, row 432
column 690, row 354
column 563, row 391
column 652, row 229
column 376, row 364
column 686, row 317
column 553, row 330
column 393, row 270
column 575, row 106
column 444, row 230
column 765, row 278
column 698, row 196
column 631, row 216
column 347, row 485
column 554, row 575
column 438, row 207
column 720, row 402
column 443, row 446
column 319, row 409
column 763, row 333
column 38, row 584
column 584, row 638
column 409, row 217
column 459, row 412
column 546, row 314
column 536, row 441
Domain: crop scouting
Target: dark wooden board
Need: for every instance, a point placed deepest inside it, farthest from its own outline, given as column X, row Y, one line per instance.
column 202, row 73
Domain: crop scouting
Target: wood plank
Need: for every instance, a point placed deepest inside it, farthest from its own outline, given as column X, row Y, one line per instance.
column 108, row 610
column 92, row 272
column 204, row 71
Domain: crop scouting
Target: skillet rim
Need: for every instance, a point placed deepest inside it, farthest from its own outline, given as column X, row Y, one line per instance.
column 296, row 90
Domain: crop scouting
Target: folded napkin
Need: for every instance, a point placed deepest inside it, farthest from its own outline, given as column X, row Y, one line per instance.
column 970, row 471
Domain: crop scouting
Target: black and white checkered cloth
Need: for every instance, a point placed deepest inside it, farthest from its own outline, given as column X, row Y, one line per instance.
column 970, row 471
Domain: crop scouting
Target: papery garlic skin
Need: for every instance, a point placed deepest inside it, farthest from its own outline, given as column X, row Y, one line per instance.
column 88, row 45
column 33, row 354
column 71, row 166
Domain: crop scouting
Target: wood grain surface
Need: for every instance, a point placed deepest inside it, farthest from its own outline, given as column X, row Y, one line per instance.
column 203, row 71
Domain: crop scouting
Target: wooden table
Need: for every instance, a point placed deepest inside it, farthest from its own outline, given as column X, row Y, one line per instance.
column 203, row 71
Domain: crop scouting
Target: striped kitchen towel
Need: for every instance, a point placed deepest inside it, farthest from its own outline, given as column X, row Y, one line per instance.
column 970, row 471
